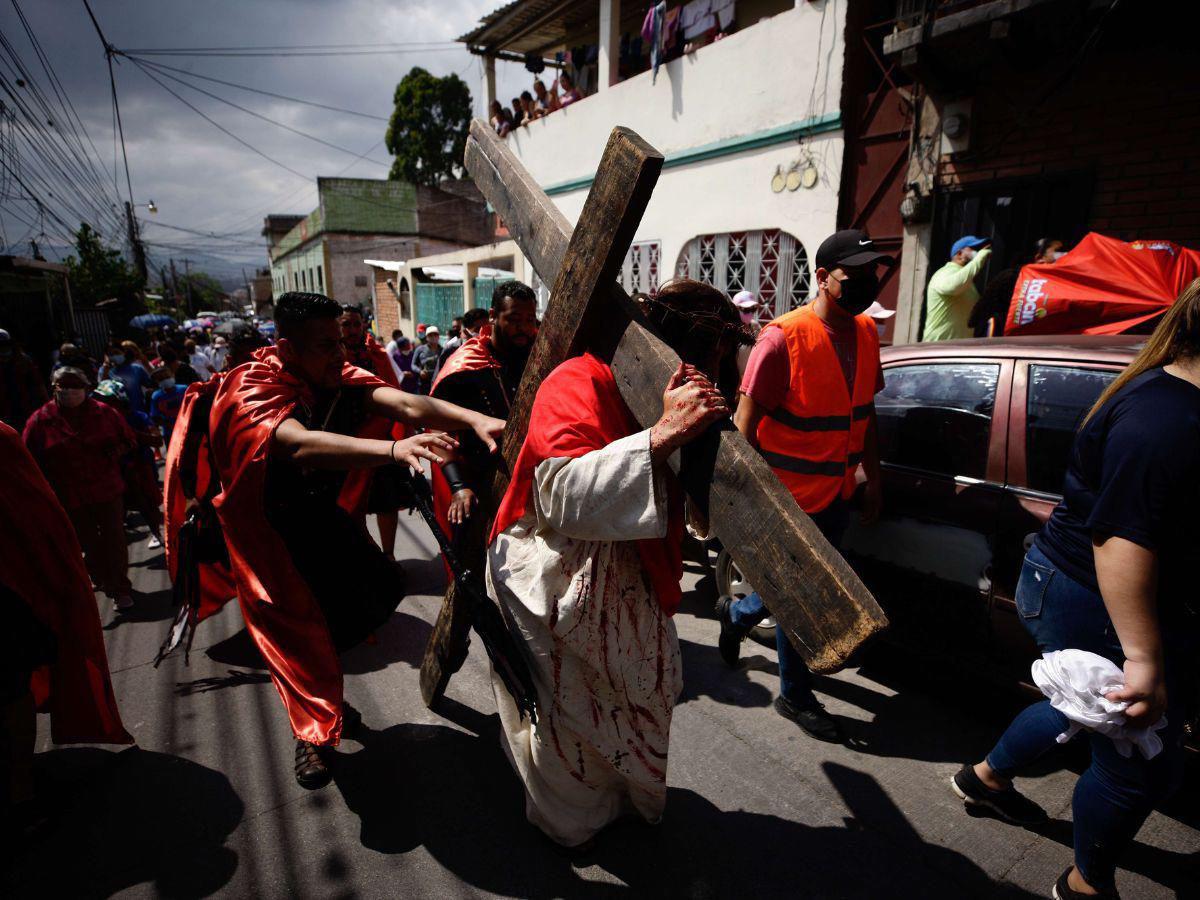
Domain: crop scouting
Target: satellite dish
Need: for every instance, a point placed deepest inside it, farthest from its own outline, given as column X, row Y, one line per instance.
column 777, row 182
column 810, row 177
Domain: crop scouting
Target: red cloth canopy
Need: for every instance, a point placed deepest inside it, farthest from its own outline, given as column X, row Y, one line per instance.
column 1103, row 286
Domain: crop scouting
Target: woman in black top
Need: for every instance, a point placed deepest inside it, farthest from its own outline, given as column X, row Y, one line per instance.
column 1113, row 572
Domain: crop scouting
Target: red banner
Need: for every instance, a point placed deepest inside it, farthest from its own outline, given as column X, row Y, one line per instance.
column 1103, row 286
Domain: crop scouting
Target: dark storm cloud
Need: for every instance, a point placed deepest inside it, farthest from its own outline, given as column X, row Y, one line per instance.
column 201, row 178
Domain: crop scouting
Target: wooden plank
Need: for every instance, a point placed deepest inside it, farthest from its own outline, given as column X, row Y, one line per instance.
column 585, row 265
column 811, row 590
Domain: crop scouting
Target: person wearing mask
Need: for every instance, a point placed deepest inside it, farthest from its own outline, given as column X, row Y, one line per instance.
column 988, row 316
column 134, row 377
column 197, row 360
column 21, row 388
column 747, row 306
column 217, row 352
column 70, row 354
column 401, row 357
column 134, row 353
column 391, row 345
column 1112, row 572
column 425, row 359
column 807, row 403
column 951, row 294
column 879, row 315
column 166, row 400
column 78, row 443
column 142, row 492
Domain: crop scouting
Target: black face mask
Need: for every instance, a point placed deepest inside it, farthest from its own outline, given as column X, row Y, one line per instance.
column 858, row 293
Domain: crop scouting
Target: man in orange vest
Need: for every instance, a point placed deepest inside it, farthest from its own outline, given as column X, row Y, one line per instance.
column 808, row 404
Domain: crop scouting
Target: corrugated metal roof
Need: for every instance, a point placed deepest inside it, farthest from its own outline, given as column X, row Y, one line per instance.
column 532, row 26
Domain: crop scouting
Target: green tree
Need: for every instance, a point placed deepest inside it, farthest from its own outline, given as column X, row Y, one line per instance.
column 428, row 130
column 207, row 292
column 98, row 273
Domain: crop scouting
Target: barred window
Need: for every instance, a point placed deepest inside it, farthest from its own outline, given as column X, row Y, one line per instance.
column 641, row 267
column 771, row 263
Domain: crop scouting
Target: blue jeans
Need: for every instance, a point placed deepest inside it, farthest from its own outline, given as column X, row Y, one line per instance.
column 795, row 681
column 1115, row 795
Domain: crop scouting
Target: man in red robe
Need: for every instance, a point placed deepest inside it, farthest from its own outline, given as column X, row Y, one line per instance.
column 483, row 374
column 295, row 435
column 52, row 653
column 387, row 494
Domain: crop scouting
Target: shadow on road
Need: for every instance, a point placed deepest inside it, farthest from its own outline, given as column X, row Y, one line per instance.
column 156, row 606
column 401, row 639
column 129, row 818
column 453, row 793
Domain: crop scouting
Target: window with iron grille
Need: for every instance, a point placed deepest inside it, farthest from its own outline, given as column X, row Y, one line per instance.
column 770, row 262
column 640, row 270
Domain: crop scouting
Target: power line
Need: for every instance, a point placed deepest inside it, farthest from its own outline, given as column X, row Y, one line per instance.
column 143, row 66
column 393, row 44
column 288, row 52
column 112, row 79
column 221, row 127
column 245, row 87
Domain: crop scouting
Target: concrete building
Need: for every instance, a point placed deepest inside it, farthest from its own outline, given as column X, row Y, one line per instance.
column 750, row 124
column 357, row 218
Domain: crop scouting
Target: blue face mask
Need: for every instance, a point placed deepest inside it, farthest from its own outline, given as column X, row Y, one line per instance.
column 117, row 360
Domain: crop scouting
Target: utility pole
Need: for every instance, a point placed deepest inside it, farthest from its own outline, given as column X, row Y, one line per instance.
column 187, row 274
column 135, row 244
column 174, row 287
column 249, row 293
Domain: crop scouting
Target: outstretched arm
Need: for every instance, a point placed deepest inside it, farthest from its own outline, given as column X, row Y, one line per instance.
column 418, row 409
column 328, row 450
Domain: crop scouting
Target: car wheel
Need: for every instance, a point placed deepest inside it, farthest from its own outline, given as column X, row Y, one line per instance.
column 731, row 582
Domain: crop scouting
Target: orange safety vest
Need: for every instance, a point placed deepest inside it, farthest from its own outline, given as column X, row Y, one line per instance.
column 814, row 440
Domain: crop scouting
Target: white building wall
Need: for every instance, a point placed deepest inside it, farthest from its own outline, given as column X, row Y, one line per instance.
column 751, row 86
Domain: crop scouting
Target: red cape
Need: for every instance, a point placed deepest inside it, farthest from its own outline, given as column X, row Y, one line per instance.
column 1103, row 286
column 578, row 409
column 281, row 613
column 473, row 355
column 41, row 561
column 216, row 580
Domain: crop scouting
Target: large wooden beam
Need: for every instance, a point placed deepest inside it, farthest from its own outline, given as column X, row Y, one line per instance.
column 584, row 265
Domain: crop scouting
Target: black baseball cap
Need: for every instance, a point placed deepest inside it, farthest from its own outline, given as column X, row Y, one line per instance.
column 849, row 248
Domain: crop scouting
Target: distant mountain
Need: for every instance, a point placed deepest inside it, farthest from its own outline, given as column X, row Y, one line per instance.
column 228, row 271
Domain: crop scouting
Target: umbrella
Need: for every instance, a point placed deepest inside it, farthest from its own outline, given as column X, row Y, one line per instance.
column 197, row 323
column 267, row 328
column 151, row 320
column 234, row 329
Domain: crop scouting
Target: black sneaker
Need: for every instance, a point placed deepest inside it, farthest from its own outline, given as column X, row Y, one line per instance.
column 1010, row 805
column 730, row 641
column 311, row 769
column 813, row 719
column 1063, row 891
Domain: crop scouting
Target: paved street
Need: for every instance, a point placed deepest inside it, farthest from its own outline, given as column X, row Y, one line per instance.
column 425, row 805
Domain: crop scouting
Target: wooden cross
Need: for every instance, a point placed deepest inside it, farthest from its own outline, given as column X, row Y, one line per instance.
column 823, row 607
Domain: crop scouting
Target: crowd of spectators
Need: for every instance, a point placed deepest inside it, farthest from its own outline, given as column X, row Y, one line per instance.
column 531, row 106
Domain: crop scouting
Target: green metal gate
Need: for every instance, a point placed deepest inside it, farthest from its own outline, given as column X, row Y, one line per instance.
column 438, row 304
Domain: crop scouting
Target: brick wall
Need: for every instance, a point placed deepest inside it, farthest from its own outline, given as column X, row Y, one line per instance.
column 349, row 278
column 387, row 306
column 1131, row 117
column 460, row 216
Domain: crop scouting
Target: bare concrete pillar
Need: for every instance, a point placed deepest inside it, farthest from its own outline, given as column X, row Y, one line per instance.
column 489, row 84
column 470, row 273
column 610, row 43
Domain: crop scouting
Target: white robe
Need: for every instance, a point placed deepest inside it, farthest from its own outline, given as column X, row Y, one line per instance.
column 605, row 657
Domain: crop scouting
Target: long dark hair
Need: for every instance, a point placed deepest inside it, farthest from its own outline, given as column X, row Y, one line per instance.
column 1177, row 336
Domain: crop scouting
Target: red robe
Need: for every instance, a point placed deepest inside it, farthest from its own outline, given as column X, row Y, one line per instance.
column 473, row 355
column 578, row 409
column 216, row 580
column 281, row 614
column 41, row 562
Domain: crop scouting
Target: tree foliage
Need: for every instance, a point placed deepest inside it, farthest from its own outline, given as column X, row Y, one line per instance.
column 98, row 273
column 427, row 133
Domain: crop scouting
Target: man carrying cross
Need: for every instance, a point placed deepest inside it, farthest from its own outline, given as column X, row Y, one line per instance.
column 586, row 560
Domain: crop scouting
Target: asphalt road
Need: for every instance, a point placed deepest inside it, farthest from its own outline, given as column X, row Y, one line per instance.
column 426, row 805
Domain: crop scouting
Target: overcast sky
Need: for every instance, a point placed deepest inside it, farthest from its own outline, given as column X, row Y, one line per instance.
column 198, row 177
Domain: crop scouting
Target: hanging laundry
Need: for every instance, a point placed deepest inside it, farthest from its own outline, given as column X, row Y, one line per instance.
column 695, row 18
column 652, row 32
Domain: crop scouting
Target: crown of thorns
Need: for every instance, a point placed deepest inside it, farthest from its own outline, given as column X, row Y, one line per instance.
column 707, row 322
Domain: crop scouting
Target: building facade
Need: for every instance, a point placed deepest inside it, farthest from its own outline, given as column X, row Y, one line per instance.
column 358, row 218
column 1042, row 119
column 750, row 125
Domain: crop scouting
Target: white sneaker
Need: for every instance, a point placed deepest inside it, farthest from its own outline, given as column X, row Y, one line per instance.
column 122, row 603
column 154, row 543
